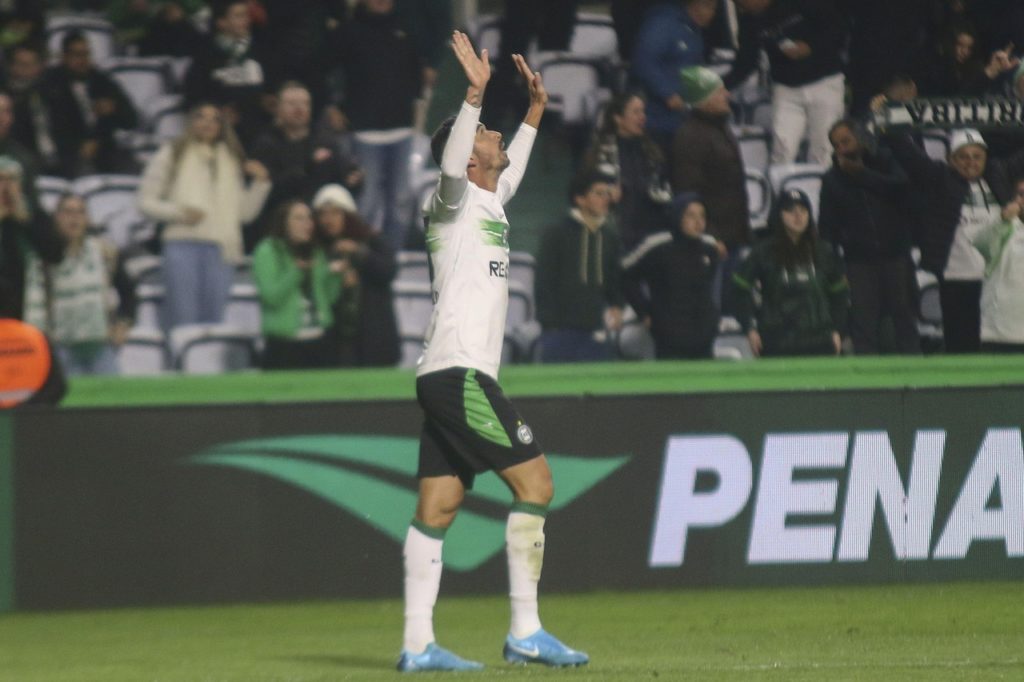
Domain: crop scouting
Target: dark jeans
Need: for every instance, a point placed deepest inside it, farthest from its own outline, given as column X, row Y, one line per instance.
column 879, row 289
column 572, row 345
column 281, row 353
column 961, row 315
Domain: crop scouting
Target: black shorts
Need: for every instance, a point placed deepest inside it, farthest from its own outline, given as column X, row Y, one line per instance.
column 469, row 426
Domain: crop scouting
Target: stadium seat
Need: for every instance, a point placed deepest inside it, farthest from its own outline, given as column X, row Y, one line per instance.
column 167, row 118
column 412, row 349
column 484, row 31
column 568, row 80
column 936, row 144
column 521, row 269
column 413, row 267
column 149, row 301
column 144, row 268
column 112, row 204
column 520, row 306
column 634, row 341
column 243, row 308
column 143, row 79
column 594, row 36
column 212, row 349
column 414, row 304
column 50, row 189
column 98, row 31
column 144, row 352
column 802, row 176
column 732, row 346
column 755, row 146
column 759, row 198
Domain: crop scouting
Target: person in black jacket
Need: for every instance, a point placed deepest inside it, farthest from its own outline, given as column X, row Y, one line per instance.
column 863, row 211
column 85, row 107
column 678, row 267
column 955, row 201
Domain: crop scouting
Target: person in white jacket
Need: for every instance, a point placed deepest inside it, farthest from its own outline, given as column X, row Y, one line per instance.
column 1001, row 244
column 196, row 185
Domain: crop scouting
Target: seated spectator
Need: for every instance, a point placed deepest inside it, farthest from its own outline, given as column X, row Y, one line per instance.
column 706, row 159
column 196, row 186
column 298, row 288
column 956, row 70
column 24, row 229
column 86, row 106
column 677, row 268
column 72, row 300
column 800, row 282
column 1001, row 244
column 577, row 281
column 636, row 166
column 863, row 211
column 23, row 22
column 11, row 148
column 364, row 317
column 300, row 161
column 32, row 127
column 232, row 70
column 157, row 27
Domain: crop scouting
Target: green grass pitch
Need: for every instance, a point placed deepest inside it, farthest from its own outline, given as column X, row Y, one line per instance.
column 963, row 631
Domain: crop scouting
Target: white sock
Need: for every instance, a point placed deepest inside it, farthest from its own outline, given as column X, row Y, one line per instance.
column 422, row 559
column 524, row 543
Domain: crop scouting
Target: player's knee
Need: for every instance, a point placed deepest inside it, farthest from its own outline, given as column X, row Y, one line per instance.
column 541, row 488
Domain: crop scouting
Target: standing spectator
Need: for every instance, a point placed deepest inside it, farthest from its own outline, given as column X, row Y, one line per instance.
column 803, row 292
column 31, row 128
column 678, row 268
column 957, row 200
column 300, row 161
column 196, row 186
column 863, row 211
column 23, row 229
column 364, row 317
column 171, row 29
column 297, row 35
column 803, row 40
column 10, row 147
column 635, row 164
column 627, row 16
column 670, row 39
column 706, row 159
column 578, row 292
column 383, row 78
column 232, row 70
column 430, row 23
column 298, row 289
column 956, row 70
column 23, row 22
column 1001, row 244
column 72, row 300
column 86, row 106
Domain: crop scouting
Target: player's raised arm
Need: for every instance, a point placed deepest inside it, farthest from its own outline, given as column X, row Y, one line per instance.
column 522, row 143
column 535, row 87
column 476, row 67
column 458, row 145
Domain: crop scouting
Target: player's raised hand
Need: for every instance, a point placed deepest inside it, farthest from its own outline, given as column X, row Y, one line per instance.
column 534, row 83
column 476, row 67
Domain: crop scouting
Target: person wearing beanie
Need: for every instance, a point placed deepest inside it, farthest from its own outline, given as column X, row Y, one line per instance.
column 956, row 199
column 678, row 267
column 578, row 283
column 364, row 317
column 800, row 283
column 706, row 159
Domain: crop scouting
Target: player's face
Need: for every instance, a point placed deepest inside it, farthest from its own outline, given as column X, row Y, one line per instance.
column 300, row 224
column 631, row 122
column 694, row 220
column 969, row 161
column 489, row 150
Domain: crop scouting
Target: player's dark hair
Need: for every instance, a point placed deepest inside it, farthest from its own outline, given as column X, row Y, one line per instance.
column 440, row 138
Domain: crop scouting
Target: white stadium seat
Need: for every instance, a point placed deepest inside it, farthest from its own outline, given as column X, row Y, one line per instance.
column 143, row 353
column 212, row 348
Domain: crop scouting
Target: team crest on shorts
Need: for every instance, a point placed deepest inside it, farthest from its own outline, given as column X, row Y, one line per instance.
column 524, row 434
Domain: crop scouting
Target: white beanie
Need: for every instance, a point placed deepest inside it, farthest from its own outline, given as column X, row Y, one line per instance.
column 963, row 137
column 335, row 195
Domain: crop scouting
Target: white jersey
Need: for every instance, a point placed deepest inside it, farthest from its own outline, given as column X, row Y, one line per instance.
column 467, row 239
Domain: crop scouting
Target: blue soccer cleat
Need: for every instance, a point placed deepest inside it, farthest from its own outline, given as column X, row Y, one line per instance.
column 542, row 647
column 434, row 658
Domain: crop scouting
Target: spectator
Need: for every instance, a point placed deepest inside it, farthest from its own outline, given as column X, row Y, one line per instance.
column 383, row 78
column 10, row 147
column 706, row 159
column 23, row 22
column 170, row 30
column 863, row 211
column 86, row 106
column 364, row 317
column 430, row 24
column 298, row 290
column 1001, row 244
column 955, row 70
column 232, row 70
column 23, row 229
column 800, row 281
column 31, row 126
column 578, row 292
column 635, row 164
column 297, row 35
column 196, row 186
column 957, row 200
column 72, row 300
column 803, row 40
column 300, row 161
column 670, row 39
column 678, row 268
column 627, row 16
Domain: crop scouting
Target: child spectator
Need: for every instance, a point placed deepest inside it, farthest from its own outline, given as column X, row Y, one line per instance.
column 298, row 289
column 1001, row 244
column 72, row 301
column 803, row 292
column 678, row 268
column 364, row 317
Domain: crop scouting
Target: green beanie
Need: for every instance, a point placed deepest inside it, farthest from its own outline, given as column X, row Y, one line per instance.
column 697, row 83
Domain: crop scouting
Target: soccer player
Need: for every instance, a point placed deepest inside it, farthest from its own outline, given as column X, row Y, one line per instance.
column 470, row 426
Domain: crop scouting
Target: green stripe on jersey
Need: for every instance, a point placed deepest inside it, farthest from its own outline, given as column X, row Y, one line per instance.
column 479, row 414
column 495, row 232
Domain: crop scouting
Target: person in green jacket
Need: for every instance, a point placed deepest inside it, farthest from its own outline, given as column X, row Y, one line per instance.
column 298, row 287
column 801, row 285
